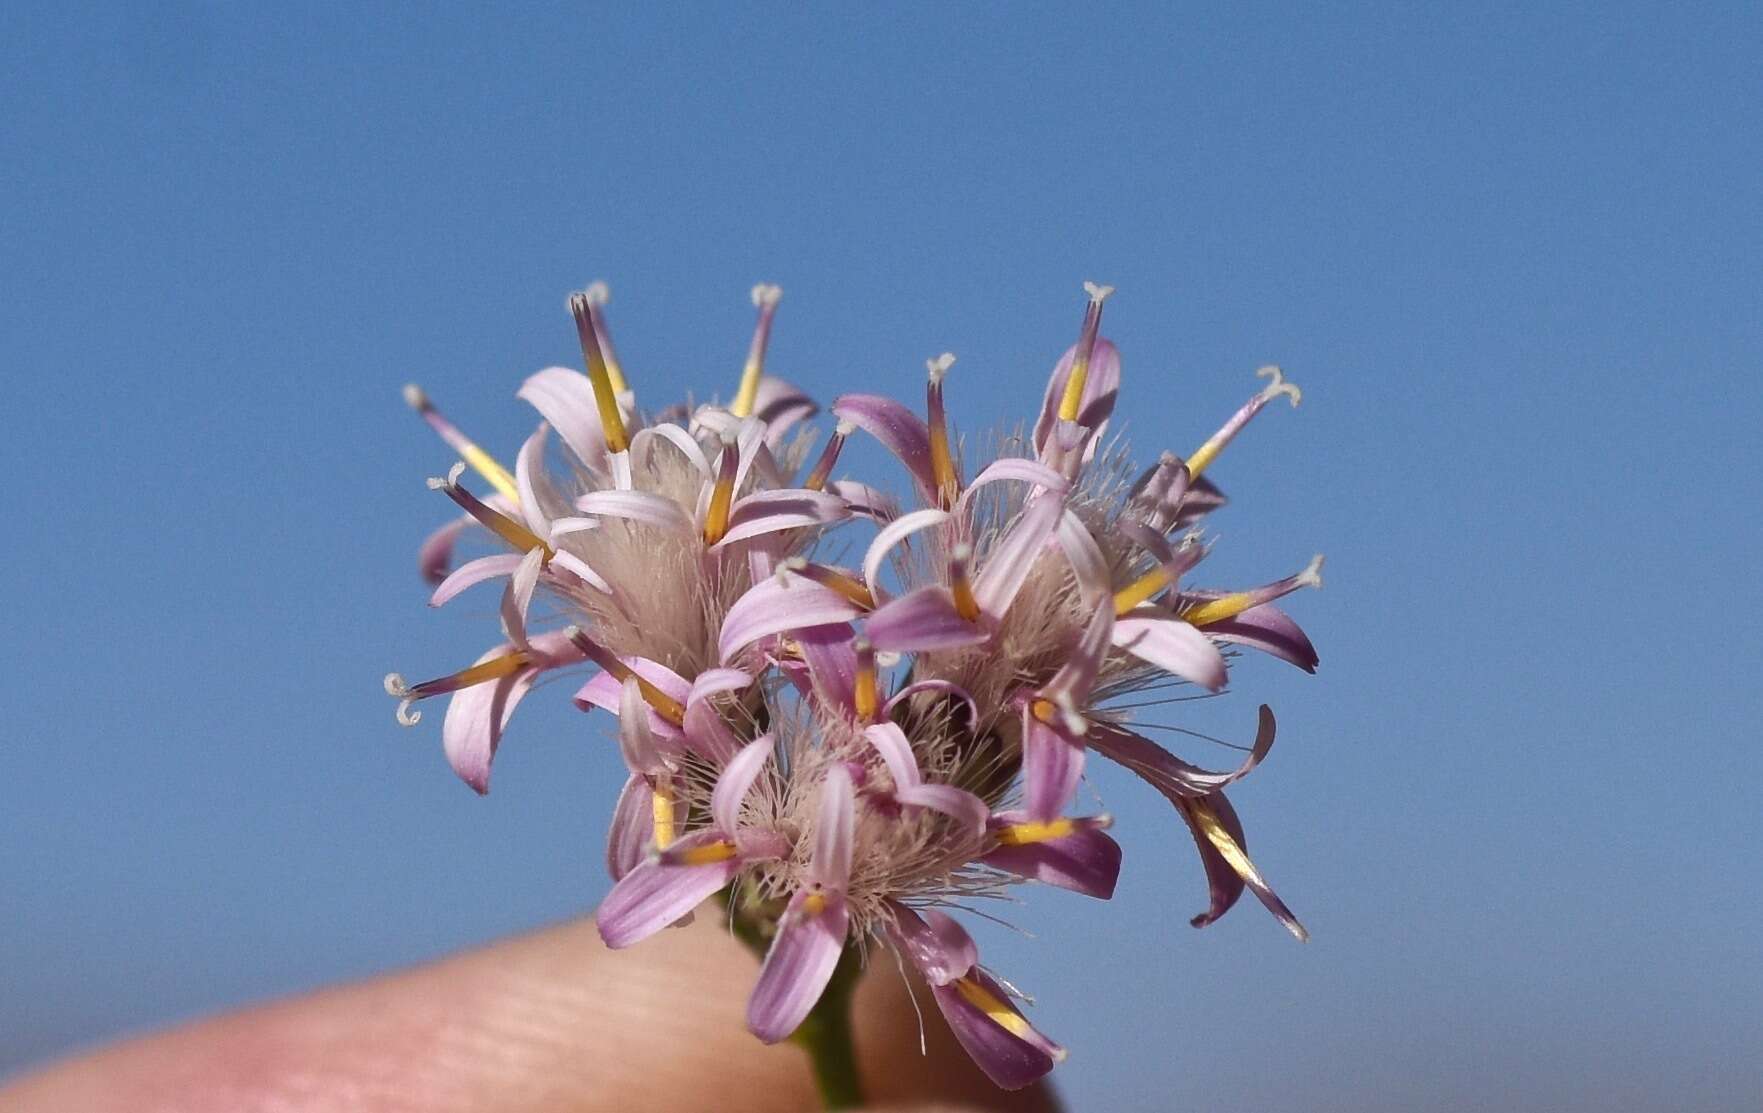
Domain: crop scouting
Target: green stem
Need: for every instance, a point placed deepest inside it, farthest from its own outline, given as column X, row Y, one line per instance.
column 826, row 1036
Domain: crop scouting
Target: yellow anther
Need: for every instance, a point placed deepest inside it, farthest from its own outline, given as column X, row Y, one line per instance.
column 960, row 586
column 1141, row 589
column 765, row 298
column 1221, row 840
column 707, row 855
column 1024, row 834
column 814, row 903
column 1221, row 608
column 722, row 495
column 598, row 295
column 481, row 462
column 995, row 1008
column 942, row 458
column 1276, row 386
column 864, row 694
column 605, row 395
column 1206, row 453
column 849, row 586
column 661, row 810
column 1044, row 710
column 660, row 702
column 515, row 533
column 1074, row 387
column 1071, row 402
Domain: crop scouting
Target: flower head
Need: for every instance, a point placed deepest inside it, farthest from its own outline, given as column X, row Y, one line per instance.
column 845, row 754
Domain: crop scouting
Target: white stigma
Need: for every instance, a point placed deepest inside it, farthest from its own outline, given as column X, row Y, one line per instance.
column 396, row 686
column 1097, row 293
column 845, row 428
column 939, row 366
column 794, row 564
column 1277, row 385
column 1311, row 576
column 415, row 397
column 597, row 293
column 407, row 715
column 766, row 295
column 452, row 480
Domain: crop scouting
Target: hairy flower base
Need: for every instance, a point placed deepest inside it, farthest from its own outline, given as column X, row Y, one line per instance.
column 845, row 754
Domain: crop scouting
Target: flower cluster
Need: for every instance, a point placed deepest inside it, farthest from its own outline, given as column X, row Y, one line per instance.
column 844, row 754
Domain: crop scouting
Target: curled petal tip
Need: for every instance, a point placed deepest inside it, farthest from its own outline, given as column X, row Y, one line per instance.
column 1277, row 385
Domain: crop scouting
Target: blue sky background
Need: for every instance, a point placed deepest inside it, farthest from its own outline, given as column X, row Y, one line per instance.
column 1512, row 257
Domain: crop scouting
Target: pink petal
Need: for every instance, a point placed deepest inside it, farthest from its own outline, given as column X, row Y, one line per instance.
column 897, row 427
column 940, row 948
column 865, row 500
column 475, row 572
column 706, row 730
column 891, row 535
column 1076, row 676
column 1270, row 630
column 797, row 967
column 635, row 740
column 896, row 753
column 1086, row 861
column 637, row 506
column 958, row 804
column 633, row 825
column 566, row 400
column 921, row 620
column 1088, row 566
column 835, row 830
column 1010, row 1061
column 436, row 554
column 832, row 664
column 1031, row 472
column 1052, row 765
column 652, row 896
column 517, row 599
column 539, row 504
column 642, row 445
column 1172, row 645
column 1225, row 881
column 605, row 691
column 781, row 407
column 779, row 604
column 946, row 686
column 1163, row 770
column 1009, row 564
column 476, row 718
column 771, row 511
column 1101, row 386
column 736, row 781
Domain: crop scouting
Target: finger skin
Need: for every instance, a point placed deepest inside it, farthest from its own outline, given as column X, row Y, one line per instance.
column 544, row 1023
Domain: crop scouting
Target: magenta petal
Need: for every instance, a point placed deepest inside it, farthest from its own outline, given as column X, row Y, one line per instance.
column 475, row 572
column 1086, row 861
column 1200, row 499
column 652, row 896
column 779, row 604
column 897, row 427
column 1009, row 1060
column 1008, row 565
column 1168, row 773
column 1052, row 765
column 633, row 825
column 940, row 948
column 797, row 967
column 920, row 620
column 1225, row 881
column 1268, row 629
column 565, row 398
column 957, row 803
column 1172, row 645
